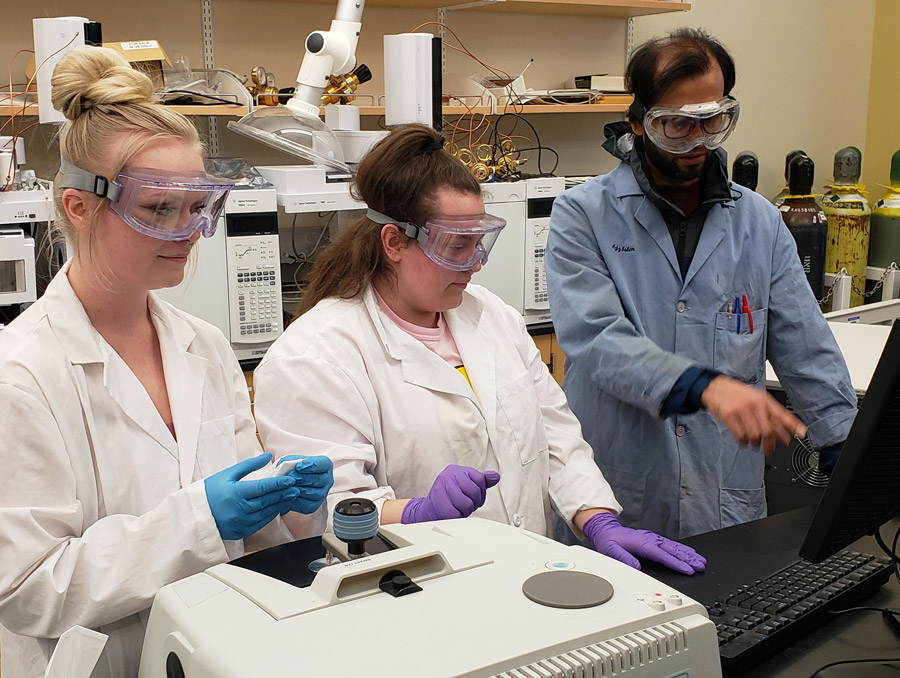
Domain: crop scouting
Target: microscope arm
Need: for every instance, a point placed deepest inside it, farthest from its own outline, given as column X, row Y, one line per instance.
column 327, row 52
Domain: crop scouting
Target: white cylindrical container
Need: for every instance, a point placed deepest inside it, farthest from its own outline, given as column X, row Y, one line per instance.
column 52, row 39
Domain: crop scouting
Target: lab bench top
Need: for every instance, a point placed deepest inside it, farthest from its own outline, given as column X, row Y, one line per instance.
column 740, row 554
column 861, row 346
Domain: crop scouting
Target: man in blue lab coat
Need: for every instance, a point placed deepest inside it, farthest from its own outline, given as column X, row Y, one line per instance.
column 669, row 288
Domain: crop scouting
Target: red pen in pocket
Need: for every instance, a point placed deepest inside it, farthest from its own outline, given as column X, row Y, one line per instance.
column 745, row 308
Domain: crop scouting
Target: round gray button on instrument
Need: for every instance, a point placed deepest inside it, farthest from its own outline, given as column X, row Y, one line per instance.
column 567, row 589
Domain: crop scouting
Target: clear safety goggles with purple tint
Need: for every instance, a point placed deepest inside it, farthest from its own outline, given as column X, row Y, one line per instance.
column 163, row 205
column 458, row 243
column 673, row 129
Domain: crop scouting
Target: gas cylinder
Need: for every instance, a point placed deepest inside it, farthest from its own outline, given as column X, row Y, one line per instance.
column 745, row 170
column 778, row 199
column 884, row 243
column 806, row 221
column 847, row 211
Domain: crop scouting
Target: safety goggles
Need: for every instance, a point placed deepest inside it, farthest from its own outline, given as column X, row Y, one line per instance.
column 163, row 205
column 673, row 129
column 458, row 243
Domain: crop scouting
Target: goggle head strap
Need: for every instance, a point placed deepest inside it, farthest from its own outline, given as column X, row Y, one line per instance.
column 75, row 177
column 636, row 110
column 411, row 230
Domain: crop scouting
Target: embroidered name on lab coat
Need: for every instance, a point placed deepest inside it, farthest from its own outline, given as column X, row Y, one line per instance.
column 623, row 248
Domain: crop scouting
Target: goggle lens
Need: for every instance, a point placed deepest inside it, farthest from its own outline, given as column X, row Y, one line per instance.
column 170, row 209
column 675, row 129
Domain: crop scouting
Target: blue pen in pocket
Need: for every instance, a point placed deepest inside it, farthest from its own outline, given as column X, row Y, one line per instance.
column 737, row 309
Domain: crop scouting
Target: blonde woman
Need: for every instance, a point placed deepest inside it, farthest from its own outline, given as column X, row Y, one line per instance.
column 126, row 425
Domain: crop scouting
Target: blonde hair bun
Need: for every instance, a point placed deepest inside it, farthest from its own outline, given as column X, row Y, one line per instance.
column 96, row 76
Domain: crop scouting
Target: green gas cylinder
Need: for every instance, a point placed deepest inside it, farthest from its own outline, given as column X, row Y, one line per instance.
column 849, row 216
column 884, row 241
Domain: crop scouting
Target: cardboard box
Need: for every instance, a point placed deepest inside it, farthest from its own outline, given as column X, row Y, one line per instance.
column 146, row 56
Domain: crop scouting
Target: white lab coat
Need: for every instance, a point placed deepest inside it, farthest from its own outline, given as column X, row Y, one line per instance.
column 346, row 382
column 92, row 520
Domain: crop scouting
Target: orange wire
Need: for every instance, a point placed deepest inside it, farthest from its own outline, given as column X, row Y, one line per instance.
column 516, row 107
column 12, row 112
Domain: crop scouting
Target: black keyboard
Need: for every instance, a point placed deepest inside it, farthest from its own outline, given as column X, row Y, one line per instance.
column 756, row 620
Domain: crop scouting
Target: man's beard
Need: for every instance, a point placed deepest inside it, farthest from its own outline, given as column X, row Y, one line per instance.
column 667, row 163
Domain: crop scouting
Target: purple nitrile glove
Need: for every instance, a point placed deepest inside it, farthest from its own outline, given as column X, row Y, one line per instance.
column 457, row 492
column 613, row 539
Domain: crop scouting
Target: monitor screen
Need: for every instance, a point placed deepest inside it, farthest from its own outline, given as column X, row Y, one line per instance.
column 864, row 490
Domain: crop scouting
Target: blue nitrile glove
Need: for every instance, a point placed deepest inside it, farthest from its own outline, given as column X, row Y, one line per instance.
column 613, row 539
column 241, row 507
column 313, row 477
column 457, row 492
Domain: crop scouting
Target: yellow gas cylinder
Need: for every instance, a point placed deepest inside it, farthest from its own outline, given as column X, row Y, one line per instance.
column 849, row 216
column 884, row 245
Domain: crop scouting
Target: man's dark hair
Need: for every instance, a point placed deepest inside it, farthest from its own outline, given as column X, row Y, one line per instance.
column 688, row 52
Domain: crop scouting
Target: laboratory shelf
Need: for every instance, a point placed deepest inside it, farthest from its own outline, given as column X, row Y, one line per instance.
column 621, row 9
column 617, row 104
column 217, row 109
column 525, row 109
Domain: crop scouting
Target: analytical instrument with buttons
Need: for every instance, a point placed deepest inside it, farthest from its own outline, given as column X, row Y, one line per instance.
column 469, row 598
column 235, row 282
column 540, row 194
column 515, row 269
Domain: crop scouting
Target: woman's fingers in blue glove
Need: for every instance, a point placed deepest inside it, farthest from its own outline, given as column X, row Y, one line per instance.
column 307, row 479
column 251, row 489
column 312, row 465
column 257, row 521
column 272, row 499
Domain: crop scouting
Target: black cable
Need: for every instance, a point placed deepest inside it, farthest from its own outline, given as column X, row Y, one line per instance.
column 861, row 609
column 889, row 660
column 211, row 97
column 891, row 552
column 495, row 136
column 293, row 241
column 551, row 173
column 894, row 553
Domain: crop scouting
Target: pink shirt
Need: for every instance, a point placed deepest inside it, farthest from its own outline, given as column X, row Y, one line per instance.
column 437, row 339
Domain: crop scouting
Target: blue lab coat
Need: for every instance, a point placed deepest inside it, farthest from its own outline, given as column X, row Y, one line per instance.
column 630, row 326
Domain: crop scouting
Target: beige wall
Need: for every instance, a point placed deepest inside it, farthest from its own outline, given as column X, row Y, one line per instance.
column 883, row 122
column 802, row 75
column 803, row 66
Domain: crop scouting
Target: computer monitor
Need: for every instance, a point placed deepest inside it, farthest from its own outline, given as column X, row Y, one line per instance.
column 864, row 490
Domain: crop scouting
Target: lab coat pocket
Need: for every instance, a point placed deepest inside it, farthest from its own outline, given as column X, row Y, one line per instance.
column 741, row 506
column 519, row 419
column 216, row 446
column 740, row 353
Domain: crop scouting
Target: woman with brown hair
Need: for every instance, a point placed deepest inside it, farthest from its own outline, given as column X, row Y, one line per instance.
column 424, row 390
